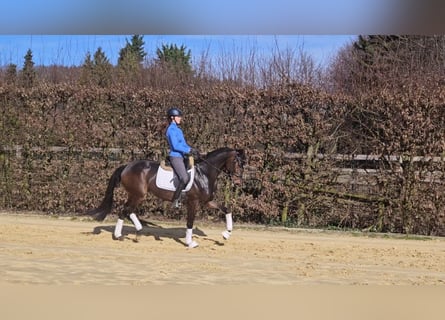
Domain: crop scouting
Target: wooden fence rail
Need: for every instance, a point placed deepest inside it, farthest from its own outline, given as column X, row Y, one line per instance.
column 18, row 150
column 367, row 157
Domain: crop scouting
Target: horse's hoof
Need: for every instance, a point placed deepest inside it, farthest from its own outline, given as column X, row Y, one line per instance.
column 226, row 234
column 193, row 244
column 120, row 238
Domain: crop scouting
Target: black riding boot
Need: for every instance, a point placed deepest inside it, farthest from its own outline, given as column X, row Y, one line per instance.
column 178, row 192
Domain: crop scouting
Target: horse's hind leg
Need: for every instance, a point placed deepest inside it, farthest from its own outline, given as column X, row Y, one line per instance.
column 117, row 234
column 128, row 211
column 229, row 227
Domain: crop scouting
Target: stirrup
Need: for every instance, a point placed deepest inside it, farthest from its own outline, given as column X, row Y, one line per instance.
column 177, row 203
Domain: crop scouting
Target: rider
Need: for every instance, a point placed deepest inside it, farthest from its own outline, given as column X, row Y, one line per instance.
column 179, row 149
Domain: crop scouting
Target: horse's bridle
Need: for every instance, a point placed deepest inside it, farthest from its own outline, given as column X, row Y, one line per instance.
column 240, row 162
column 238, row 159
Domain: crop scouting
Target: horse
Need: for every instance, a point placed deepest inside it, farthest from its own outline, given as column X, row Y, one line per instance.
column 138, row 178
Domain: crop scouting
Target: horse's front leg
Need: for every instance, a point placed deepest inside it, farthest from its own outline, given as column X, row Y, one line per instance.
column 229, row 221
column 192, row 207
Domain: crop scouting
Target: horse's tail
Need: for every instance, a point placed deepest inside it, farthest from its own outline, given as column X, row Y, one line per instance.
column 105, row 207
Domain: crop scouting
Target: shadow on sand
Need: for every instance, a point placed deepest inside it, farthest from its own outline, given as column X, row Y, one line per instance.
column 153, row 230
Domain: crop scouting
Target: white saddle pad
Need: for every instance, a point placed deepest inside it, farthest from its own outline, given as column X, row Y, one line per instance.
column 167, row 180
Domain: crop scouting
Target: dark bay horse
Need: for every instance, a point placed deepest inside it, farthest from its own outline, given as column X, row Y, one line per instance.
column 139, row 178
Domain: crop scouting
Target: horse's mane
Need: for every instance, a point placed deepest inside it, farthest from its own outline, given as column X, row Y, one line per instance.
column 212, row 154
column 217, row 151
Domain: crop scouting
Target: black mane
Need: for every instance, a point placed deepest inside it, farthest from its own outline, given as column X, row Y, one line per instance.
column 218, row 151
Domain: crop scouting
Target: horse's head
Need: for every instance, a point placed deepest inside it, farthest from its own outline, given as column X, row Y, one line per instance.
column 234, row 165
column 227, row 160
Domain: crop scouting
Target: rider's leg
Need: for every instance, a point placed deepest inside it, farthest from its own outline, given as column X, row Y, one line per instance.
column 179, row 168
column 179, row 189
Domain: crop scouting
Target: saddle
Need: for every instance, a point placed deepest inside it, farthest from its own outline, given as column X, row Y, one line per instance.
column 166, row 178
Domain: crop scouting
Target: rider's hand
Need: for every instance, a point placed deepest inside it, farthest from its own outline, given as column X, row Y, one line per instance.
column 194, row 152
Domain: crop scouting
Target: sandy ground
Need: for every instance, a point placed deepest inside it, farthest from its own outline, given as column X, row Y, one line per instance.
column 37, row 249
column 70, row 268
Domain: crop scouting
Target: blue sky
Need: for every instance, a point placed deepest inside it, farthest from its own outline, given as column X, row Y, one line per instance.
column 319, row 27
column 70, row 50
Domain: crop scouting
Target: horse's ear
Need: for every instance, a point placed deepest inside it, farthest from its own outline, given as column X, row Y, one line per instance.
column 240, row 153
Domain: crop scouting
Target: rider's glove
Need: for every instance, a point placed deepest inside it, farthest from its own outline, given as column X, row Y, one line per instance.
column 194, row 152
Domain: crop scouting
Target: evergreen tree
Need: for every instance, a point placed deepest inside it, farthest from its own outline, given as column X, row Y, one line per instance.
column 132, row 55
column 97, row 70
column 101, row 68
column 389, row 61
column 28, row 74
column 135, row 48
column 86, row 76
column 411, row 51
column 174, row 58
column 11, row 74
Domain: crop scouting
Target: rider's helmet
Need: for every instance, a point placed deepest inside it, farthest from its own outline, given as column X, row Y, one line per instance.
column 174, row 112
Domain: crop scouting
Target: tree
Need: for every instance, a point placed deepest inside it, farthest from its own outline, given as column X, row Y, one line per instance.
column 87, row 69
column 174, row 58
column 28, row 74
column 389, row 61
column 11, row 74
column 135, row 48
column 132, row 55
column 101, row 68
column 96, row 70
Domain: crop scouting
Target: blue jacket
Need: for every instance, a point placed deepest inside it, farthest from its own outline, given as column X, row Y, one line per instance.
column 176, row 140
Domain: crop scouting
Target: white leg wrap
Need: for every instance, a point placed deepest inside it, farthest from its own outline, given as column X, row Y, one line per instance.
column 229, row 222
column 188, row 239
column 118, row 228
column 188, row 236
column 136, row 222
column 229, row 225
column 226, row 234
